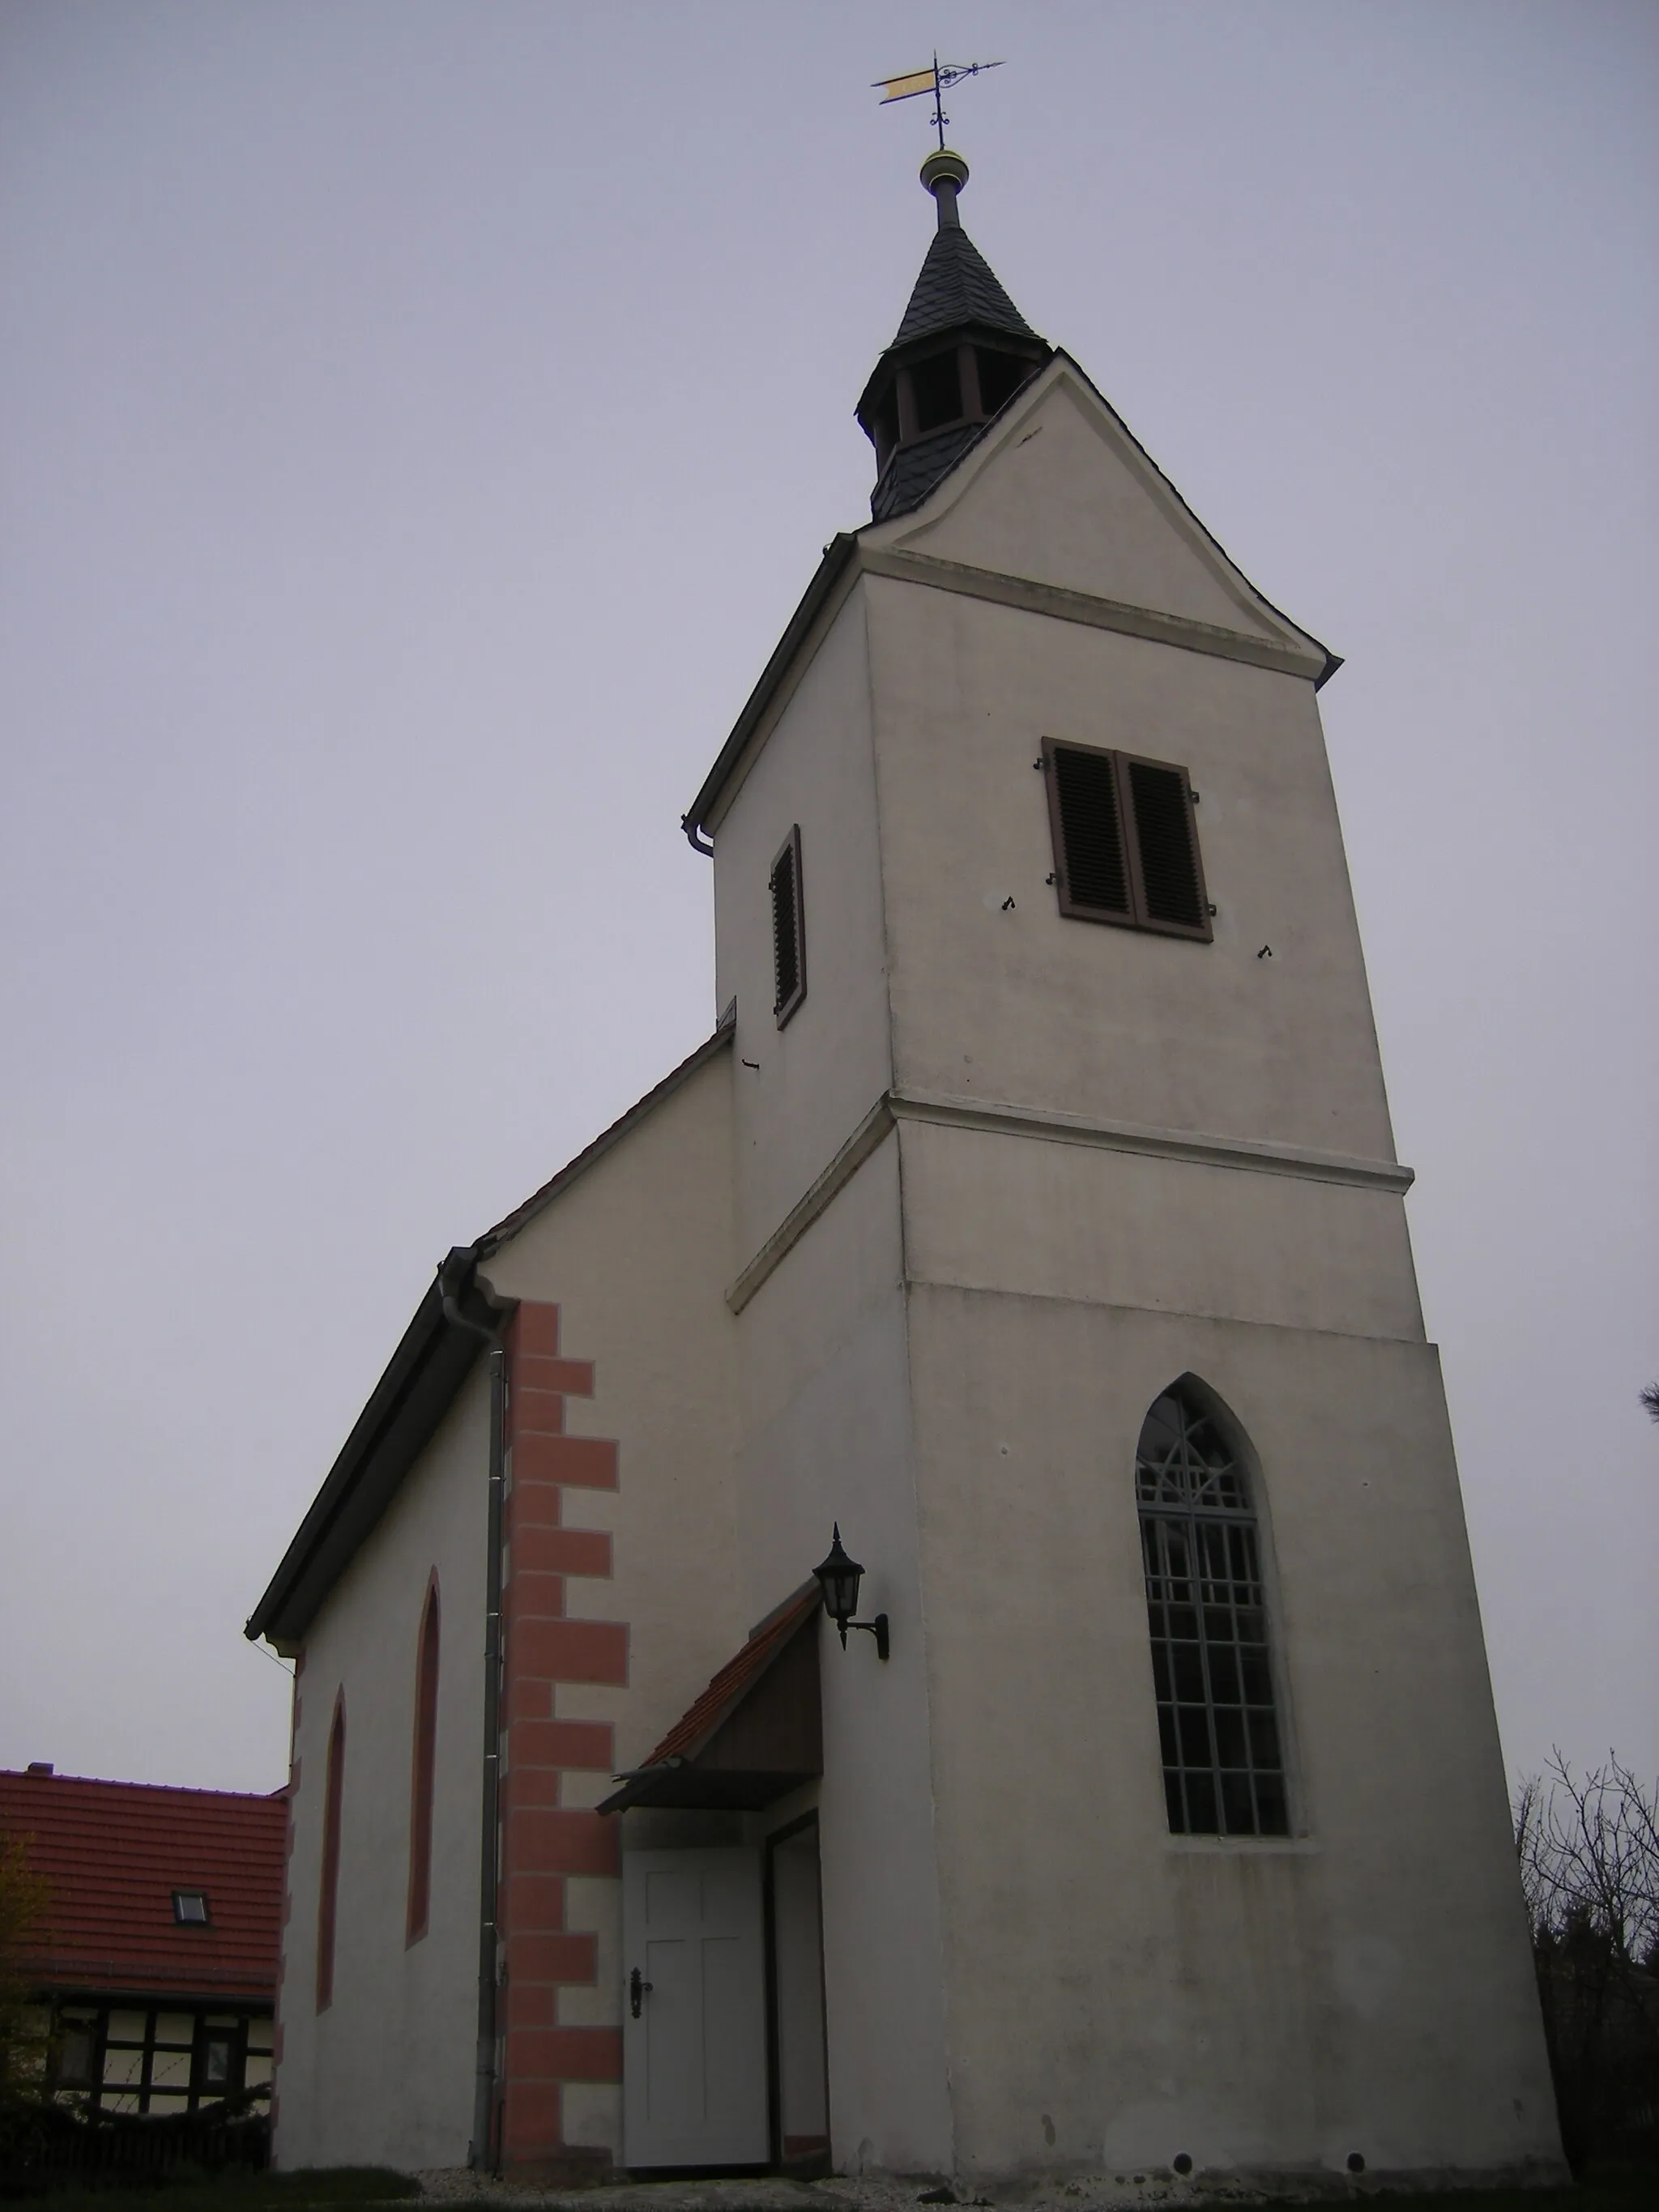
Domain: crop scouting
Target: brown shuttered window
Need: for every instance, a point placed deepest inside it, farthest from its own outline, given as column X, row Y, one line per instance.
column 1126, row 842
column 788, row 929
column 426, row 1750
column 328, row 1892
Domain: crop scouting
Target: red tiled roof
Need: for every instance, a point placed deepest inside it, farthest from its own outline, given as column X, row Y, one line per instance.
column 112, row 1853
column 692, row 1730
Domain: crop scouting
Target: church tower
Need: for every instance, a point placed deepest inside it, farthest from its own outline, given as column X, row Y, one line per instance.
column 1074, row 1281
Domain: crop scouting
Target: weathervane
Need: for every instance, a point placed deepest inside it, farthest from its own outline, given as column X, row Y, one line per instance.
column 932, row 80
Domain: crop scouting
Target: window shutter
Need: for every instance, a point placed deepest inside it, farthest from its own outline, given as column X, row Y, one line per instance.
column 1170, row 891
column 1126, row 847
column 788, row 933
column 1088, row 829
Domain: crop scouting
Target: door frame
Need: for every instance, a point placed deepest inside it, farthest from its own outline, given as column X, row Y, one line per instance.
column 818, row 2165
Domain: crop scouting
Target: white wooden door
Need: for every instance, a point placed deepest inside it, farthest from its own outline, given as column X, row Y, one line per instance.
column 693, row 2009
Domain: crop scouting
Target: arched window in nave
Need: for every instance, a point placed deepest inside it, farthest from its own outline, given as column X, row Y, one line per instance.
column 328, row 1891
column 1223, row 1766
column 424, row 1768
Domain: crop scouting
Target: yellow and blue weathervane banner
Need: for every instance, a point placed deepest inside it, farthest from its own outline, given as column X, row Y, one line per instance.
column 904, row 87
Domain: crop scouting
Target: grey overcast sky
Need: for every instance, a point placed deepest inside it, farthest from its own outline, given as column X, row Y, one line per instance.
column 419, row 419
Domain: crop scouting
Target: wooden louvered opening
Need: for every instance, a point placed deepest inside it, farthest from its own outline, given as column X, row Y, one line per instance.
column 788, row 929
column 937, row 385
column 1000, row 375
column 1126, row 840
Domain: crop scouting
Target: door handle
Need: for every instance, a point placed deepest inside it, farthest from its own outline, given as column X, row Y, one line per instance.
column 638, row 1987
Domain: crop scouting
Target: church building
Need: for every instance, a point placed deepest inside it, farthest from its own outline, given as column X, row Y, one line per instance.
column 1029, row 1236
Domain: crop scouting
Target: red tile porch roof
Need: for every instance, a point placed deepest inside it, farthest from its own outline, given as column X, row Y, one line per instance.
column 739, row 1675
column 112, row 1853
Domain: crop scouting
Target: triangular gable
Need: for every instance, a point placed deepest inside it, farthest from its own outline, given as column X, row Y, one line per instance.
column 538, row 1201
column 1058, row 491
column 755, row 1732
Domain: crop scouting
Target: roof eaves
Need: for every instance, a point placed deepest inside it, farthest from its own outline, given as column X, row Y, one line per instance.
column 431, row 1362
column 837, row 554
column 82, row 1981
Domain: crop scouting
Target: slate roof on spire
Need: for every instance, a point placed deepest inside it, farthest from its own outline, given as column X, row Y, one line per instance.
column 957, row 287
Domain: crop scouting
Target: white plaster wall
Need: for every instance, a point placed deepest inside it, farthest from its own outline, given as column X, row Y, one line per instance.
column 815, row 1078
column 826, row 1437
column 1027, row 1007
column 1117, row 1996
column 991, row 1210
column 636, row 1254
column 384, row 2076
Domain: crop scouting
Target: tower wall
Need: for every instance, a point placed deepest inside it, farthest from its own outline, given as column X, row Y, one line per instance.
column 824, row 1398
column 1120, row 1158
column 800, row 1090
column 1126, row 1158
column 1268, row 2004
column 826, row 1418
column 1022, row 1005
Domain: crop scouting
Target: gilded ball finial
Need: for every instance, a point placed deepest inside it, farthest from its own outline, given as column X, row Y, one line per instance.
column 944, row 174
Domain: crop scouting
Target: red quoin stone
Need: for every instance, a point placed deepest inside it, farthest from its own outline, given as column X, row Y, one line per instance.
column 543, row 1840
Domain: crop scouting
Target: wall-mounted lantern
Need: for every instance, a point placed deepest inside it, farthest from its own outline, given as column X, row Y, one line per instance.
column 838, row 1578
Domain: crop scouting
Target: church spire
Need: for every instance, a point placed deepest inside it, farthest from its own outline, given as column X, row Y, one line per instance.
column 961, row 352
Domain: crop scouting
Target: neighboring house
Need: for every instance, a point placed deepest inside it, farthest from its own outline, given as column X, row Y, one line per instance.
column 1033, row 1213
column 158, row 1951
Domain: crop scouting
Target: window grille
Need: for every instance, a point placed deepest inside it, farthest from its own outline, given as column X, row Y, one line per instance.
column 789, row 928
column 1224, row 1773
column 1126, row 840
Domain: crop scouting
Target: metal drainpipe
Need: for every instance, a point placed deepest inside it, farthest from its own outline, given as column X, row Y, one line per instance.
column 482, row 2151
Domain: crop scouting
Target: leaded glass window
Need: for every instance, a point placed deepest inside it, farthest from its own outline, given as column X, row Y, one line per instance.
column 1224, row 1768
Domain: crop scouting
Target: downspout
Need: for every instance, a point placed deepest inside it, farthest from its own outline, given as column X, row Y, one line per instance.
column 482, row 2151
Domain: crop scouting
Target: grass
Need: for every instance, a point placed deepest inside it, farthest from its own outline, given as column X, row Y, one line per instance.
column 319, row 2190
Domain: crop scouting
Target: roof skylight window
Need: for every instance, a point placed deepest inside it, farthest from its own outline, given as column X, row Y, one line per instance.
column 189, row 1908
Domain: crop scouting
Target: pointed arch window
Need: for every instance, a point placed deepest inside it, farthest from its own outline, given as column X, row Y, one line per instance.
column 423, row 1768
column 328, row 1890
column 1218, row 1721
